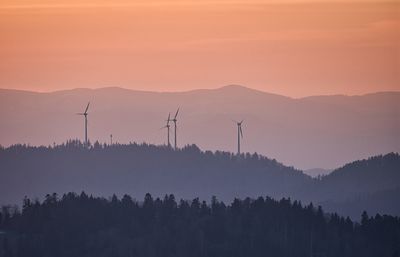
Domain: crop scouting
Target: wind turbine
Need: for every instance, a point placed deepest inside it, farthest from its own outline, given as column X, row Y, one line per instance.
column 240, row 134
column 168, row 126
column 175, row 120
column 85, row 114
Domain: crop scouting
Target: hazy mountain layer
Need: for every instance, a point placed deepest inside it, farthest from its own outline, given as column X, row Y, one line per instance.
column 319, row 131
column 317, row 172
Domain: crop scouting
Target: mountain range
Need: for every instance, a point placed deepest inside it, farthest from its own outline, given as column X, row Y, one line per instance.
column 313, row 132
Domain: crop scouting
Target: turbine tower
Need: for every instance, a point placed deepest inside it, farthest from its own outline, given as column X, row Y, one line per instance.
column 85, row 114
column 168, row 126
column 240, row 134
column 175, row 120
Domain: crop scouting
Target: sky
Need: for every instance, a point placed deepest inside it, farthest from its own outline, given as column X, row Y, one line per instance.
column 293, row 47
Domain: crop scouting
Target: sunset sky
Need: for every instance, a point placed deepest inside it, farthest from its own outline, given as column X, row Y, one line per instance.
column 293, row 47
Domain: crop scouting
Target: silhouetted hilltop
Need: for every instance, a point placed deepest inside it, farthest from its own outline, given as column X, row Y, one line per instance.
column 83, row 225
column 137, row 169
column 372, row 184
column 360, row 177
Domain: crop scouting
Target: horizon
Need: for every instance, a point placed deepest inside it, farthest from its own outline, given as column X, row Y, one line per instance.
column 196, row 89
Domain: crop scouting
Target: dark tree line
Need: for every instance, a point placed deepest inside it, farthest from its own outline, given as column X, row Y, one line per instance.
column 83, row 225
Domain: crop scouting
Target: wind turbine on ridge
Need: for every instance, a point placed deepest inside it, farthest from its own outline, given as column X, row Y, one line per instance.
column 240, row 134
column 175, row 120
column 168, row 126
column 85, row 113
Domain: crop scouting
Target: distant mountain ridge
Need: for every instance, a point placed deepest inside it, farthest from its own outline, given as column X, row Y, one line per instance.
column 226, row 88
column 317, row 172
column 317, row 131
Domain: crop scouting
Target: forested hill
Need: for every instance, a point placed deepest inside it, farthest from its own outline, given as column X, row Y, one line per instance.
column 372, row 184
column 134, row 169
column 364, row 176
column 139, row 169
column 82, row 226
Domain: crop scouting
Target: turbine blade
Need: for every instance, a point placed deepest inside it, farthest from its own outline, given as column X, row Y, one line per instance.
column 169, row 118
column 176, row 114
column 80, row 114
column 241, row 132
column 87, row 107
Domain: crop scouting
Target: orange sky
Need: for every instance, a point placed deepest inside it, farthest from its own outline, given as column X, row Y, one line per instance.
column 293, row 47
